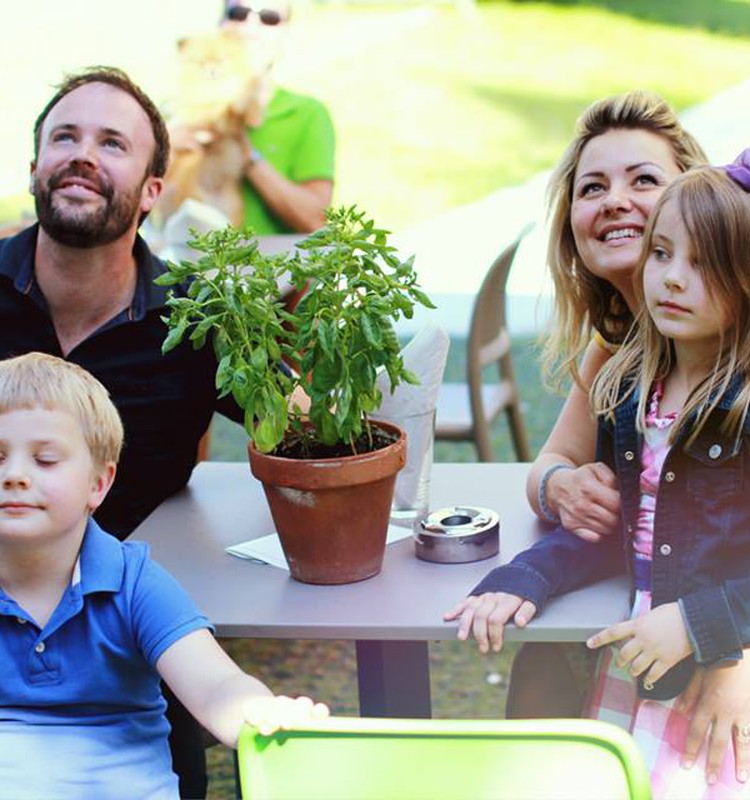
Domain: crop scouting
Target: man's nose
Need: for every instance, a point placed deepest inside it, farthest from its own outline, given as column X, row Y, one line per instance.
column 84, row 152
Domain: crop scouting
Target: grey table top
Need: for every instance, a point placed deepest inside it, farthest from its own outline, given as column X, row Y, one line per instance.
column 223, row 504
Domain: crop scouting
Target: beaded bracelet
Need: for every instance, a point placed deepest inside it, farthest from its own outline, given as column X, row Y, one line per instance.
column 545, row 510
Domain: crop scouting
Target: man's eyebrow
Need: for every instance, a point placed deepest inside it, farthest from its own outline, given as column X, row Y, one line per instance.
column 71, row 126
column 114, row 132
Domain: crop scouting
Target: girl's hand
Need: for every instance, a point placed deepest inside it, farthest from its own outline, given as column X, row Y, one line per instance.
column 717, row 700
column 654, row 642
column 486, row 615
column 271, row 713
column 586, row 499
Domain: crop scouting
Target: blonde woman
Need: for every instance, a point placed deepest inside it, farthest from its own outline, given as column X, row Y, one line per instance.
column 672, row 406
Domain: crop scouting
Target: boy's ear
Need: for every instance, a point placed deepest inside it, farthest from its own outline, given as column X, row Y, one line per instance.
column 101, row 484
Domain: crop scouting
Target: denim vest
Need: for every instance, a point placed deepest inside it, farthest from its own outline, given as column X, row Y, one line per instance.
column 701, row 553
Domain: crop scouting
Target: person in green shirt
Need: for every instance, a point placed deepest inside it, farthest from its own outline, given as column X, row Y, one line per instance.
column 289, row 156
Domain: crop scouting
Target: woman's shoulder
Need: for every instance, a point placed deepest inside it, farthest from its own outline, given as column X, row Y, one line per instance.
column 604, row 344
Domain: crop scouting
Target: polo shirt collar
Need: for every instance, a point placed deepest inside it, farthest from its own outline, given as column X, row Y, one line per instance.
column 17, row 264
column 101, row 562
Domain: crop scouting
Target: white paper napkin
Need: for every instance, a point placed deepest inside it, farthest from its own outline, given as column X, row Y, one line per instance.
column 267, row 549
column 413, row 407
column 425, row 355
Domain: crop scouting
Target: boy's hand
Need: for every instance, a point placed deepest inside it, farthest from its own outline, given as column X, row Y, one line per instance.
column 271, row 713
column 655, row 642
column 486, row 616
column 717, row 700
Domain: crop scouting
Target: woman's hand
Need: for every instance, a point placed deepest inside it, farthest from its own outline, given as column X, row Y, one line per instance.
column 586, row 499
column 654, row 642
column 717, row 700
column 486, row 616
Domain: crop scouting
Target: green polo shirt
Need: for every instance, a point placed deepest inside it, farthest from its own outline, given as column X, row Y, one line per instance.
column 297, row 138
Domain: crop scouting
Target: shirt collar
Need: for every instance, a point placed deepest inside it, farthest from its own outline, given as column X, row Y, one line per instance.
column 101, row 563
column 17, row 264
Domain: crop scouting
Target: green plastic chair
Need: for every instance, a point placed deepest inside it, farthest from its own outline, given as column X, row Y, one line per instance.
column 348, row 758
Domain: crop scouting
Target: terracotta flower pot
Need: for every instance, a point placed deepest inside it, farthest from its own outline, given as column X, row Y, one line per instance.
column 332, row 514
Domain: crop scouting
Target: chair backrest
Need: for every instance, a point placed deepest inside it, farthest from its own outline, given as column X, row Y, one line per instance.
column 489, row 341
column 348, row 758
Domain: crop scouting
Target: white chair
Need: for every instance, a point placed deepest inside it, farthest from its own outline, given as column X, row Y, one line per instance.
column 466, row 411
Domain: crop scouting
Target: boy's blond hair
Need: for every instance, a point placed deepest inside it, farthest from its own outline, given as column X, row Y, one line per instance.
column 38, row 380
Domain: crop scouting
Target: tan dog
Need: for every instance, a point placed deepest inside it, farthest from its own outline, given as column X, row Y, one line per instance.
column 220, row 93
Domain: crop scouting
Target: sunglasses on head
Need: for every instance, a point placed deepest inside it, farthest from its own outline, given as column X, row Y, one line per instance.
column 240, row 13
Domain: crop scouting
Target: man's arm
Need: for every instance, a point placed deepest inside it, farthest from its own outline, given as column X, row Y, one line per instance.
column 300, row 206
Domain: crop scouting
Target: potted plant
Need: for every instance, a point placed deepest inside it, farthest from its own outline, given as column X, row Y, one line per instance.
column 328, row 470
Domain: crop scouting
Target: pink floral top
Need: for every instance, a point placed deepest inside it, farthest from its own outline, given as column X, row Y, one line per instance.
column 653, row 453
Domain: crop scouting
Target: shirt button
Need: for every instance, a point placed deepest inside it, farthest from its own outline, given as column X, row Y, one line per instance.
column 629, row 455
column 40, row 647
column 669, row 477
column 665, row 549
column 714, row 451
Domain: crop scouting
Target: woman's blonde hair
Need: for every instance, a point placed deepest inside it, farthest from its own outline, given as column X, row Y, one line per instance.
column 583, row 302
column 716, row 213
column 38, row 380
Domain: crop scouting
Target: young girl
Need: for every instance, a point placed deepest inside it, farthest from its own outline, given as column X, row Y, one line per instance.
column 673, row 424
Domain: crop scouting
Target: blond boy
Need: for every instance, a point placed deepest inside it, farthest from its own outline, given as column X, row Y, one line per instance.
column 89, row 625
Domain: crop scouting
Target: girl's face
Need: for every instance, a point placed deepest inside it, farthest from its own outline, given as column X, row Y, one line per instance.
column 676, row 295
column 619, row 177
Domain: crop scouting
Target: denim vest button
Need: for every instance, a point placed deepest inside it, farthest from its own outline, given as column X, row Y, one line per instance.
column 20, row 620
column 669, row 477
column 40, row 647
column 714, row 451
column 665, row 549
column 629, row 455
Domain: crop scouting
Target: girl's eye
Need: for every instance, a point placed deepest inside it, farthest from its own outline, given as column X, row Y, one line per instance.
column 46, row 460
column 660, row 254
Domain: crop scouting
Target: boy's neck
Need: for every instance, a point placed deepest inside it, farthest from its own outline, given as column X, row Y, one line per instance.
column 36, row 577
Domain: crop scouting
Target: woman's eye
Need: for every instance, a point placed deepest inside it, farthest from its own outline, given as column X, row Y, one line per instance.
column 114, row 143
column 647, row 180
column 62, row 136
column 46, row 461
column 590, row 188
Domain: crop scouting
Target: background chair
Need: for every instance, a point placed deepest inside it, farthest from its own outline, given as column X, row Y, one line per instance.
column 349, row 758
column 466, row 411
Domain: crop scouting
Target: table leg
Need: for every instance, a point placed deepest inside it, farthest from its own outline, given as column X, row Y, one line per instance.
column 394, row 679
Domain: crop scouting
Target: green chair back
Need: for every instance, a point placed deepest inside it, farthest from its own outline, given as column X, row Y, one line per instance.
column 345, row 758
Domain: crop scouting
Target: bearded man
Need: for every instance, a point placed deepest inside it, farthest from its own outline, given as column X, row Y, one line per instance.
column 79, row 285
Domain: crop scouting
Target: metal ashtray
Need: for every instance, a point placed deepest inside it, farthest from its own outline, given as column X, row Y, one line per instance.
column 457, row 534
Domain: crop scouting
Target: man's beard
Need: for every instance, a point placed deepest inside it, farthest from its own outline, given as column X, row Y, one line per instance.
column 81, row 227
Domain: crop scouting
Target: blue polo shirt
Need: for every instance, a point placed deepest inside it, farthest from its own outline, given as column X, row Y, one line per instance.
column 81, row 712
